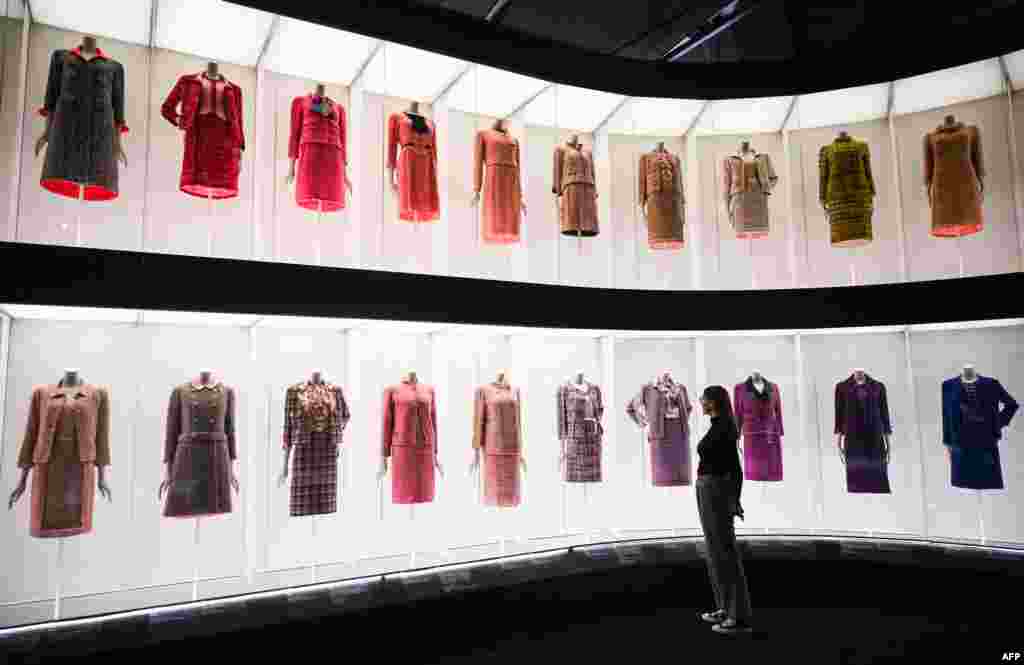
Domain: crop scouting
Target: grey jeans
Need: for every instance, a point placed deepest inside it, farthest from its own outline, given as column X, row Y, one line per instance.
column 715, row 495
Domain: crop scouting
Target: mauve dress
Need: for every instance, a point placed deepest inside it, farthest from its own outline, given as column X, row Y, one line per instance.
column 759, row 418
column 496, row 171
column 497, row 431
column 670, row 442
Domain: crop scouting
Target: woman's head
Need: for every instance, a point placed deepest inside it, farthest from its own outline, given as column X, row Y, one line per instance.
column 715, row 402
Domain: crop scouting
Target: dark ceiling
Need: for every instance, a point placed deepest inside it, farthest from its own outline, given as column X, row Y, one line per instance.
column 782, row 47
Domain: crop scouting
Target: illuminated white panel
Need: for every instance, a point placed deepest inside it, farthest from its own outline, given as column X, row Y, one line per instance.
column 315, row 52
column 304, row 323
column 125, row 20
column 212, row 29
column 1015, row 65
column 407, row 327
column 16, row 8
column 744, row 116
column 57, row 313
column 948, row 86
column 493, row 92
column 199, row 318
column 541, row 111
column 582, row 109
column 835, row 107
column 418, row 75
column 659, row 117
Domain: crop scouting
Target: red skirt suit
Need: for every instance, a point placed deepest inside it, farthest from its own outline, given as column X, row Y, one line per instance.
column 409, row 438
column 418, row 199
column 317, row 140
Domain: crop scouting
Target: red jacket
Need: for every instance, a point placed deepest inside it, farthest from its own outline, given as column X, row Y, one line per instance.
column 187, row 92
column 90, row 411
column 308, row 126
column 410, row 417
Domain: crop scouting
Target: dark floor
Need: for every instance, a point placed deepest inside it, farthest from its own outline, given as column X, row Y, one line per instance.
column 805, row 612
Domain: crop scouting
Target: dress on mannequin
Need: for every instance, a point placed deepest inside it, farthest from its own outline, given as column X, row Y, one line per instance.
column 315, row 417
column 66, row 439
column 317, row 142
column 575, row 186
column 412, row 152
column 748, row 178
column 862, row 418
column 846, row 190
column 496, row 172
column 84, row 110
column 211, row 117
column 580, row 410
column 200, row 448
column 972, row 423
column 497, row 432
column 953, row 173
column 409, row 438
column 663, row 407
column 661, row 196
column 759, row 419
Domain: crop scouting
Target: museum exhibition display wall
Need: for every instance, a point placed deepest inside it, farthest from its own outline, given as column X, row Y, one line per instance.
column 155, row 457
column 752, row 199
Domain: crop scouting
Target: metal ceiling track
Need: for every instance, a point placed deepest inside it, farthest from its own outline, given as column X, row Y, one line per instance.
column 720, row 21
column 497, row 11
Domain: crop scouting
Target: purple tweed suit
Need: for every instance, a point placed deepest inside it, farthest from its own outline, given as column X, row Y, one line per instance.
column 759, row 419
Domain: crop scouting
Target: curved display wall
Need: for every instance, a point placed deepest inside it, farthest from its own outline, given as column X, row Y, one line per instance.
column 710, row 221
column 119, row 543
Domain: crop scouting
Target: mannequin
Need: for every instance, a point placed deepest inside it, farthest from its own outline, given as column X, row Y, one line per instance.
column 409, row 377
column 843, row 135
column 950, row 121
column 320, row 92
column 746, row 152
column 89, row 49
column 580, row 379
column 70, row 379
column 213, row 71
column 660, row 147
column 860, row 377
column 205, row 379
column 969, row 374
column 498, row 126
column 414, row 110
column 758, row 381
column 316, row 378
column 502, row 380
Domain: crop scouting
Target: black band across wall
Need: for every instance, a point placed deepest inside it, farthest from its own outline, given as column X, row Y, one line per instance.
column 71, row 276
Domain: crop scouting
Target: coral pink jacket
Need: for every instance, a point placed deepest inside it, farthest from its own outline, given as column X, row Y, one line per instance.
column 410, row 417
column 309, row 126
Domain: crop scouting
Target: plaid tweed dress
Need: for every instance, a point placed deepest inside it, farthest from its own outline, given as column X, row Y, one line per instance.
column 846, row 190
column 497, row 433
column 315, row 418
column 580, row 408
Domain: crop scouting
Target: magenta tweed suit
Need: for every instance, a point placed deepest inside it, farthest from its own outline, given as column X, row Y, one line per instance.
column 759, row 418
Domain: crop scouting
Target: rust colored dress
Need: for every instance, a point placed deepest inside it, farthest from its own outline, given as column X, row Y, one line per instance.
column 496, row 169
column 953, row 166
column 576, row 189
column 661, row 194
column 64, row 486
column 497, row 431
column 416, row 136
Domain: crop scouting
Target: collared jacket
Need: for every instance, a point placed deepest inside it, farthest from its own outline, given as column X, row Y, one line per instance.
column 200, row 412
column 660, row 171
column 409, row 418
column 579, row 412
column 188, row 93
column 572, row 166
column 90, row 410
column 734, row 183
column 497, row 420
column 844, row 174
column 310, row 408
column 758, row 415
column 309, row 125
column 651, row 407
column 875, row 421
column 991, row 419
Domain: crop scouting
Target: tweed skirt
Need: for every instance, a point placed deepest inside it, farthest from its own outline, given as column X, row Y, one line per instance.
column 418, row 198
column 866, row 469
column 577, row 210
column 670, row 457
column 501, row 211
column 502, row 480
column 315, row 476
column 412, row 474
column 749, row 214
column 63, row 493
column 583, row 454
column 212, row 161
column 976, row 468
column 320, row 178
column 664, row 222
column 200, row 479
column 850, row 224
column 762, row 456
column 956, row 205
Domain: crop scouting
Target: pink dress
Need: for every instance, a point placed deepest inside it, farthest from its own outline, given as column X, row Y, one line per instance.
column 497, row 431
column 418, row 198
column 317, row 142
column 409, row 438
column 759, row 419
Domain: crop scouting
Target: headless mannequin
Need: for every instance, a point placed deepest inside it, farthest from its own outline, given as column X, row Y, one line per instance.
column 950, row 121
column 758, row 381
column 89, row 50
column 498, row 126
column 574, row 142
column 410, row 378
column 316, row 378
column 860, row 378
column 501, row 380
column 320, row 92
column 213, row 71
column 71, row 379
column 746, row 152
column 414, row 109
column 205, row 379
column 658, row 148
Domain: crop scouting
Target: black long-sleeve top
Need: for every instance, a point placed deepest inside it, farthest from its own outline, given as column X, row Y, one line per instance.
column 718, row 452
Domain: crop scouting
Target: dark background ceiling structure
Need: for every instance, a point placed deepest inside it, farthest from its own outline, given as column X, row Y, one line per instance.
column 782, row 47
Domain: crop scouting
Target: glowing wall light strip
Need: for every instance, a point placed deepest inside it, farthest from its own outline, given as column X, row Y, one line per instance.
column 212, row 29
column 116, row 19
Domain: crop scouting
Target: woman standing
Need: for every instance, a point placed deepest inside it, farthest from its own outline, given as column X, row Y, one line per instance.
column 719, row 481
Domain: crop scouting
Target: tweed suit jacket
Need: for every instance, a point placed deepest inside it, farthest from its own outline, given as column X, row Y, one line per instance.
column 497, row 419
column 876, row 409
column 844, row 173
column 409, row 418
column 575, row 409
column 299, row 423
column 732, row 175
column 90, row 408
column 990, row 395
column 572, row 166
column 188, row 93
column 649, row 408
column 311, row 126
